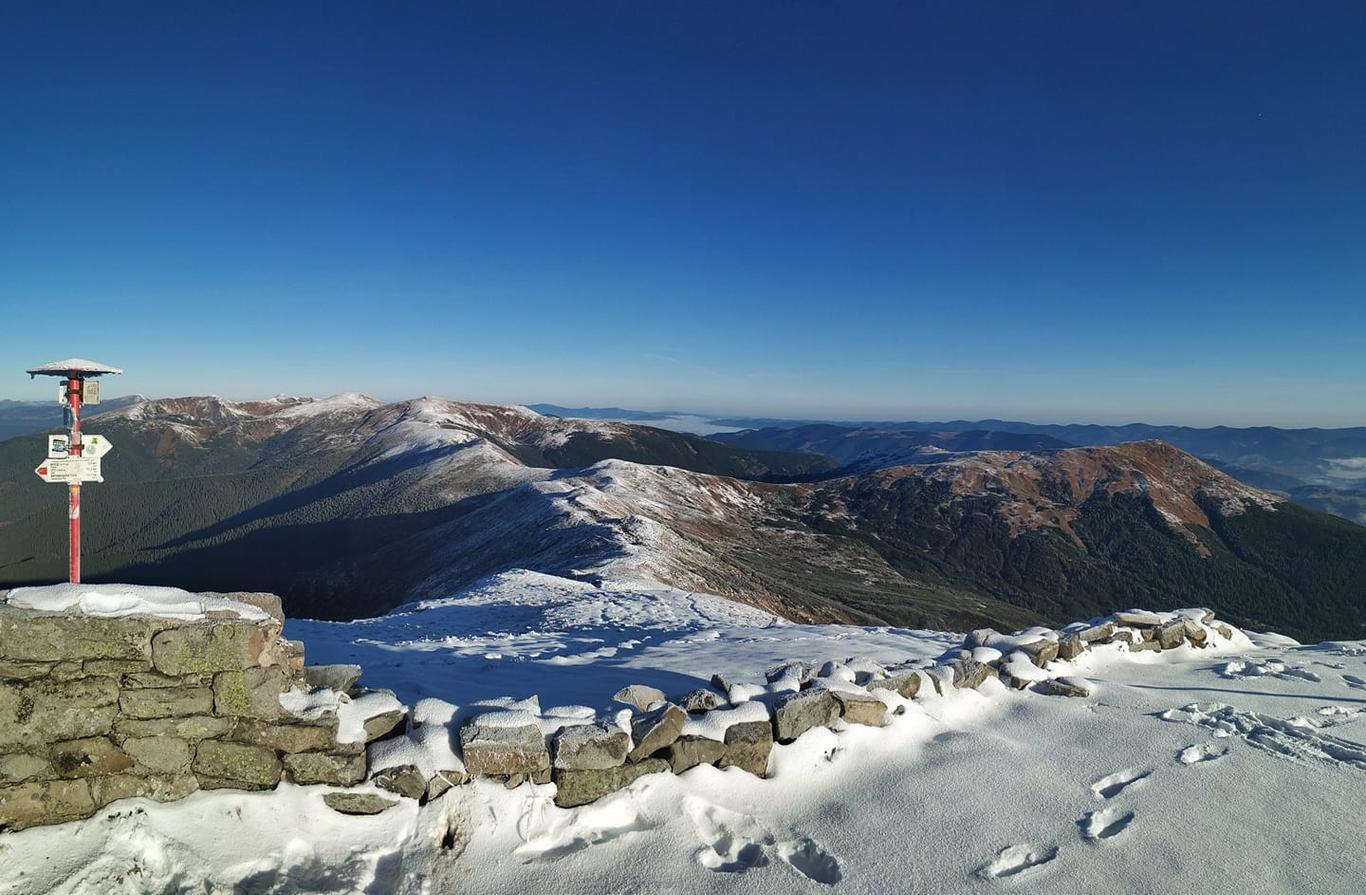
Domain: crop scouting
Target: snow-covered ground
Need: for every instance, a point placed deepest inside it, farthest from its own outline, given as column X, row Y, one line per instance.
column 1235, row 769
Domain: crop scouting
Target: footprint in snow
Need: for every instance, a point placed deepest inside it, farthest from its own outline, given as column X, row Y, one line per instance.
column 1114, row 784
column 1106, row 823
column 1354, row 682
column 737, row 843
column 1200, row 754
column 1016, row 859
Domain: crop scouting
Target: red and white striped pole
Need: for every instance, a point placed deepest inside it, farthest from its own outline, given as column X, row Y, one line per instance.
column 73, row 489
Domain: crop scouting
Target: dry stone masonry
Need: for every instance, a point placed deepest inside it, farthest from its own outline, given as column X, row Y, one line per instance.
column 96, row 709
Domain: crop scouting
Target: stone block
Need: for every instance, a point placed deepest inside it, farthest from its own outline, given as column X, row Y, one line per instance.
column 590, row 747
column 404, row 780
column 115, row 666
column 905, row 681
column 496, row 751
column 301, row 737
column 1171, row 635
column 17, row 767
column 332, row 677
column 54, row 801
column 160, row 755
column 238, row 765
column 31, row 636
column 191, row 727
column 385, row 723
column 969, row 673
column 701, row 700
column 1064, row 686
column 655, row 730
column 1100, row 633
column 748, row 745
column 1041, row 652
column 88, row 757
column 128, row 786
column 41, row 711
column 208, row 648
column 307, row 768
column 166, row 702
column 143, row 680
column 796, row 713
column 1070, row 646
column 574, row 788
column 689, row 752
column 11, row 670
column 253, row 693
column 861, row 708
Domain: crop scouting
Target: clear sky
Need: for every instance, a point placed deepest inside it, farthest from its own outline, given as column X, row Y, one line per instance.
column 1056, row 212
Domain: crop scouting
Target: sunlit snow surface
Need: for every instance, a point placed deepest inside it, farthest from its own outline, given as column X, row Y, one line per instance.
column 1241, row 769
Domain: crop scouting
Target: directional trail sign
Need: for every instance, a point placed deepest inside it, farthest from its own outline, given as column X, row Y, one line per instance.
column 70, row 469
column 95, row 446
column 70, row 459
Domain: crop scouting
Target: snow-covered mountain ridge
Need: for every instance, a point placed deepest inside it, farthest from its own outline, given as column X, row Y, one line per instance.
column 349, row 506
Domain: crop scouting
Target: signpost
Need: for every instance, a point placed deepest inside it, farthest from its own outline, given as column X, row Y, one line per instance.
column 69, row 459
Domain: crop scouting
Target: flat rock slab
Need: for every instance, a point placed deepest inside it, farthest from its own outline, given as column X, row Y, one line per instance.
column 252, row 693
column 1064, row 686
column 1137, row 619
column 573, row 788
column 796, row 713
column 359, row 803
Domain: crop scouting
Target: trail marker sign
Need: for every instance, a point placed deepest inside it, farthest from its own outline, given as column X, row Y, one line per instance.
column 68, row 460
column 70, row 470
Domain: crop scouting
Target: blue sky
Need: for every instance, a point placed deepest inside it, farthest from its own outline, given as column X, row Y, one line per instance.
column 1104, row 212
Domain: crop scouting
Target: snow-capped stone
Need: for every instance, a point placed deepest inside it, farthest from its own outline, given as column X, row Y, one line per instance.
column 905, row 681
column 969, row 673
column 861, row 708
column 639, row 697
column 404, row 780
column 796, row 713
column 590, row 747
column 492, row 747
column 655, row 730
column 701, row 700
column 748, row 745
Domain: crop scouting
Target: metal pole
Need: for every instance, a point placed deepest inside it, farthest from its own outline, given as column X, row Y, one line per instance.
column 73, row 489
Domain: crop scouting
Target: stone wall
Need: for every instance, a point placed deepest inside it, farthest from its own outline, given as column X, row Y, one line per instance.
column 96, row 709
column 735, row 724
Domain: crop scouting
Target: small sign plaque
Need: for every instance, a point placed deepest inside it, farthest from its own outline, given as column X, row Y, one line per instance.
column 58, row 447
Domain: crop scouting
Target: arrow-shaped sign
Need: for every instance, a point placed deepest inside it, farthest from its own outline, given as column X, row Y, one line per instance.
column 70, row 469
column 95, row 446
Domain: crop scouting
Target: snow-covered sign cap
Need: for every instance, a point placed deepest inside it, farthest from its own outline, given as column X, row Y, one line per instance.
column 72, row 365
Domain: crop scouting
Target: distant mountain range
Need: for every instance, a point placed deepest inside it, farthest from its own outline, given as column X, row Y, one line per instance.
column 1319, row 468
column 23, row 417
column 348, row 506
